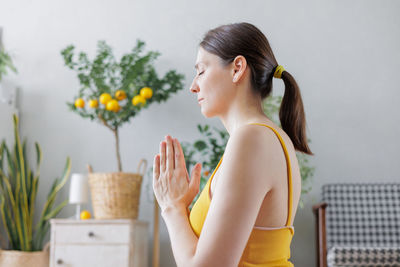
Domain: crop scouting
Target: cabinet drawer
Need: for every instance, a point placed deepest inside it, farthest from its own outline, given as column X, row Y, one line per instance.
column 94, row 255
column 92, row 233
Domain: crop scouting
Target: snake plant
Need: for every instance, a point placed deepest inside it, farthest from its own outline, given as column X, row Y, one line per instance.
column 18, row 191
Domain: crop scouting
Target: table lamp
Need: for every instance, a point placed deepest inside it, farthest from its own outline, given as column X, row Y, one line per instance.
column 78, row 191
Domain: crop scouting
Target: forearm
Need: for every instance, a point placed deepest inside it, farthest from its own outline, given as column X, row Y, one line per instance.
column 183, row 239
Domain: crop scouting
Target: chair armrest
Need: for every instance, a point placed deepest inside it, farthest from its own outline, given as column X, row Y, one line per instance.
column 320, row 233
column 318, row 206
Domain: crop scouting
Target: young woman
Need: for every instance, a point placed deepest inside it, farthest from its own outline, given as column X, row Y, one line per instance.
column 244, row 215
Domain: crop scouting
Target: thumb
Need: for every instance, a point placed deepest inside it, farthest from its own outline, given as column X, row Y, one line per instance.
column 195, row 178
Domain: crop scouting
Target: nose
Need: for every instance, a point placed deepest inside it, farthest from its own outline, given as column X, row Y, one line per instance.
column 194, row 88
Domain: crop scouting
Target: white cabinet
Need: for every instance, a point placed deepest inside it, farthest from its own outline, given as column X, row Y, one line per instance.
column 100, row 243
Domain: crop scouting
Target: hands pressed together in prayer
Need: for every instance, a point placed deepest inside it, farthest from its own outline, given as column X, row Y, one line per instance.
column 171, row 183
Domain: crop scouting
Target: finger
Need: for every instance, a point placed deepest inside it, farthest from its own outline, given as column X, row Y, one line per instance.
column 179, row 157
column 162, row 185
column 182, row 158
column 162, row 157
column 156, row 168
column 170, row 154
column 156, row 173
column 195, row 178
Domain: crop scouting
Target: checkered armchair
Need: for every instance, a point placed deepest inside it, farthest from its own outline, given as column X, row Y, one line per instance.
column 358, row 225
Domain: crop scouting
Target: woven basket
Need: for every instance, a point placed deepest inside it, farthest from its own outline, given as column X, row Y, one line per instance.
column 116, row 195
column 15, row 258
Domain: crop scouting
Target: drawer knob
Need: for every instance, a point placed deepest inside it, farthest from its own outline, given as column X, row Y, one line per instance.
column 60, row 261
column 91, row 234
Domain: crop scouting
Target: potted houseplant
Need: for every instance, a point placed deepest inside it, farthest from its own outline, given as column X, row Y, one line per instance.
column 112, row 93
column 18, row 191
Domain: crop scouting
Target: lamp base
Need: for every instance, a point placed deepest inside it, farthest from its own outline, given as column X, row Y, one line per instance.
column 78, row 212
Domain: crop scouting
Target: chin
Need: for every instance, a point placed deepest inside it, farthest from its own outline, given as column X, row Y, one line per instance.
column 208, row 113
column 207, row 116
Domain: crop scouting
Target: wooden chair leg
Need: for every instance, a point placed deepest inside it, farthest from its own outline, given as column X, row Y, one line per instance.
column 320, row 233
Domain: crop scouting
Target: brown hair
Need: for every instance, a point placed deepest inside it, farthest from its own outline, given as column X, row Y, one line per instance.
column 231, row 40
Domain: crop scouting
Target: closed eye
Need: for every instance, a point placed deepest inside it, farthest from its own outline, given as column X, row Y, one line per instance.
column 200, row 73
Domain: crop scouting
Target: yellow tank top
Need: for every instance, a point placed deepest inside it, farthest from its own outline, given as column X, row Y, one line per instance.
column 266, row 247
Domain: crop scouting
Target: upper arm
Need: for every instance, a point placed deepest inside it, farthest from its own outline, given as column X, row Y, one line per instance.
column 242, row 184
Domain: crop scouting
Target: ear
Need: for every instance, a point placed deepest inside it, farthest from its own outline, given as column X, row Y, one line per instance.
column 238, row 68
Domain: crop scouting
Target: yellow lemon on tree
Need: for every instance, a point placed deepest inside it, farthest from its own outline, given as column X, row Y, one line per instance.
column 93, row 103
column 138, row 99
column 120, row 95
column 85, row 215
column 112, row 105
column 79, row 103
column 146, row 92
column 104, row 98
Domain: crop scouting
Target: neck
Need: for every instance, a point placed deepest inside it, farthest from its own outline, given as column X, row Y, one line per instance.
column 244, row 110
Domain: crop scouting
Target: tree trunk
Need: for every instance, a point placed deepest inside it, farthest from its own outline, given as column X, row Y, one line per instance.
column 117, row 149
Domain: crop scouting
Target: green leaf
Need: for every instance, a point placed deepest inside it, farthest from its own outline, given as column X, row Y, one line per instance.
column 200, row 145
column 54, row 212
column 38, row 158
column 8, row 224
column 5, row 63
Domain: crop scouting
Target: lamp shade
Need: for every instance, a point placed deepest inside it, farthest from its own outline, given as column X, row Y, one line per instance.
column 79, row 189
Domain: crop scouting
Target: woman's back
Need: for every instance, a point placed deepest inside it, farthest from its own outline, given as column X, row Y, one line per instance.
column 273, row 211
column 269, row 241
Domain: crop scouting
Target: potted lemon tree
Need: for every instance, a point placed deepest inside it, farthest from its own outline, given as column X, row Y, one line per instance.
column 112, row 92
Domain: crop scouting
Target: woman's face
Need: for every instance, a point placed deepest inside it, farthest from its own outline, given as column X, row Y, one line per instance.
column 213, row 84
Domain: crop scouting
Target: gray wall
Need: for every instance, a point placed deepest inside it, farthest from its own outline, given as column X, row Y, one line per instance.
column 344, row 54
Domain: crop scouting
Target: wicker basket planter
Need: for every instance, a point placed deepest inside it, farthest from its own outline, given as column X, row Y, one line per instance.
column 16, row 258
column 116, row 195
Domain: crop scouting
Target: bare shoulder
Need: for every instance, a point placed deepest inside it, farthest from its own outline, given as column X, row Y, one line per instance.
column 252, row 133
column 260, row 139
column 257, row 150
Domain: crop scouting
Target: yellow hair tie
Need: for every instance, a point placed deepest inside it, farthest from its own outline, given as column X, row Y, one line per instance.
column 278, row 72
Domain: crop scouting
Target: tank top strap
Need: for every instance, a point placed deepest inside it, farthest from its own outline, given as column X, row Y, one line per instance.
column 289, row 171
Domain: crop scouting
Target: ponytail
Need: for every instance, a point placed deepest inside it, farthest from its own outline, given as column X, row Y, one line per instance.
column 291, row 114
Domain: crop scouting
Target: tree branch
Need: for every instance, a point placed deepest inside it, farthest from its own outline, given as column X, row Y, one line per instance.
column 105, row 122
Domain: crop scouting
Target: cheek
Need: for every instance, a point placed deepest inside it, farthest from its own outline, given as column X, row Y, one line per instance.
column 222, row 87
column 216, row 79
column 217, row 94
column 211, row 86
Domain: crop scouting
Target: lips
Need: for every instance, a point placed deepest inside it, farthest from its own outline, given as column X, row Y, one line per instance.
column 200, row 99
